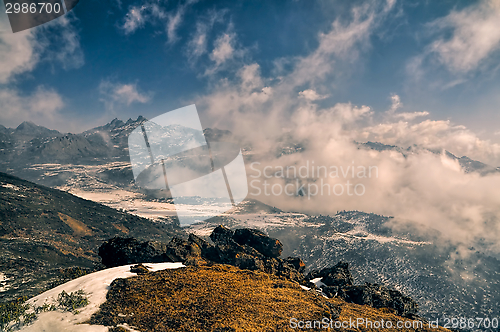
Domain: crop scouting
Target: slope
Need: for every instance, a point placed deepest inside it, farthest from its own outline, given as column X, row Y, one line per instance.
column 44, row 230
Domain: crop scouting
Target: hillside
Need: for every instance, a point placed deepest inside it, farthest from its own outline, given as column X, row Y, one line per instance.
column 224, row 298
column 43, row 231
column 238, row 283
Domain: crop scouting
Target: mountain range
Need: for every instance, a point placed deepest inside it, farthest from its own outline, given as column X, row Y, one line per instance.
column 95, row 165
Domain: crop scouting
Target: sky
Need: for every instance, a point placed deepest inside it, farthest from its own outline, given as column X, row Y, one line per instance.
column 122, row 58
column 326, row 74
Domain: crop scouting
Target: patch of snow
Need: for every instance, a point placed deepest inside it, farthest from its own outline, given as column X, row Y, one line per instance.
column 3, row 283
column 95, row 285
column 10, row 186
column 318, row 282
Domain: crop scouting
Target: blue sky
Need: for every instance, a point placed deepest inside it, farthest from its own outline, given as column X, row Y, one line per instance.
column 322, row 73
column 124, row 58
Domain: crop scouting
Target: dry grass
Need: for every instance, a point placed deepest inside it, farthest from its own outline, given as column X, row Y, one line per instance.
column 219, row 298
column 77, row 226
column 121, row 228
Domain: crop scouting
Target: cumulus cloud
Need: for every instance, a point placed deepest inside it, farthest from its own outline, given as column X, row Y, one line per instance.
column 311, row 94
column 225, row 51
column 471, row 36
column 17, row 51
column 395, row 103
column 197, row 45
column 56, row 42
column 114, row 94
column 41, row 107
column 411, row 115
column 152, row 11
column 60, row 41
column 223, row 48
column 134, row 19
column 421, row 184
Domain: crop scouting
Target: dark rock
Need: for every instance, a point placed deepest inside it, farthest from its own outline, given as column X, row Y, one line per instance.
column 179, row 250
column 259, row 241
column 379, row 296
column 248, row 262
column 281, row 268
column 122, row 251
column 297, row 263
column 204, row 245
column 337, row 275
column 330, row 291
column 313, row 274
column 222, row 235
column 139, row 269
column 246, row 249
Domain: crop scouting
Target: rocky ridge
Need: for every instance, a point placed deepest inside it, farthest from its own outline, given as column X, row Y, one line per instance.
column 250, row 249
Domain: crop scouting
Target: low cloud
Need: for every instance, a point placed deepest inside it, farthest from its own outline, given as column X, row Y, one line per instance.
column 17, row 51
column 115, row 94
column 312, row 95
column 41, row 107
column 418, row 182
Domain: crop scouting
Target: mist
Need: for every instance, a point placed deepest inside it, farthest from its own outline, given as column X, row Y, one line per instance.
column 420, row 183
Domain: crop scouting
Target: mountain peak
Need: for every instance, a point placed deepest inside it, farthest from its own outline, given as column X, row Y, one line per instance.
column 26, row 125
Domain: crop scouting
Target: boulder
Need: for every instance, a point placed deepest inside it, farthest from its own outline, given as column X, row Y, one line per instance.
column 139, row 269
column 259, row 241
column 179, row 250
column 297, row 263
column 338, row 275
column 222, row 235
column 122, row 251
column 379, row 296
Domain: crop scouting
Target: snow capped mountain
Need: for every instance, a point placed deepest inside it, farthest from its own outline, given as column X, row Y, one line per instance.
column 95, row 165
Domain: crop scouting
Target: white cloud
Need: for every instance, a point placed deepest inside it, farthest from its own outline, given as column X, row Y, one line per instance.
column 151, row 11
column 339, row 43
column 223, row 48
column 475, row 35
column 425, row 187
column 395, row 103
column 411, row 115
column 197, row 45
column 40, row 107
column 173, row 23
column 114, row 94
column 312, row 95
column 56, row 41
column 17, row 51
column 224, row 51
column 63, row 43
column 134, row 19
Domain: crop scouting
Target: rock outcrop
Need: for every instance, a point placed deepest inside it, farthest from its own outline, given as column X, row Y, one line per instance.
column 251, row 249
column 379, row 296
column 122, row 251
